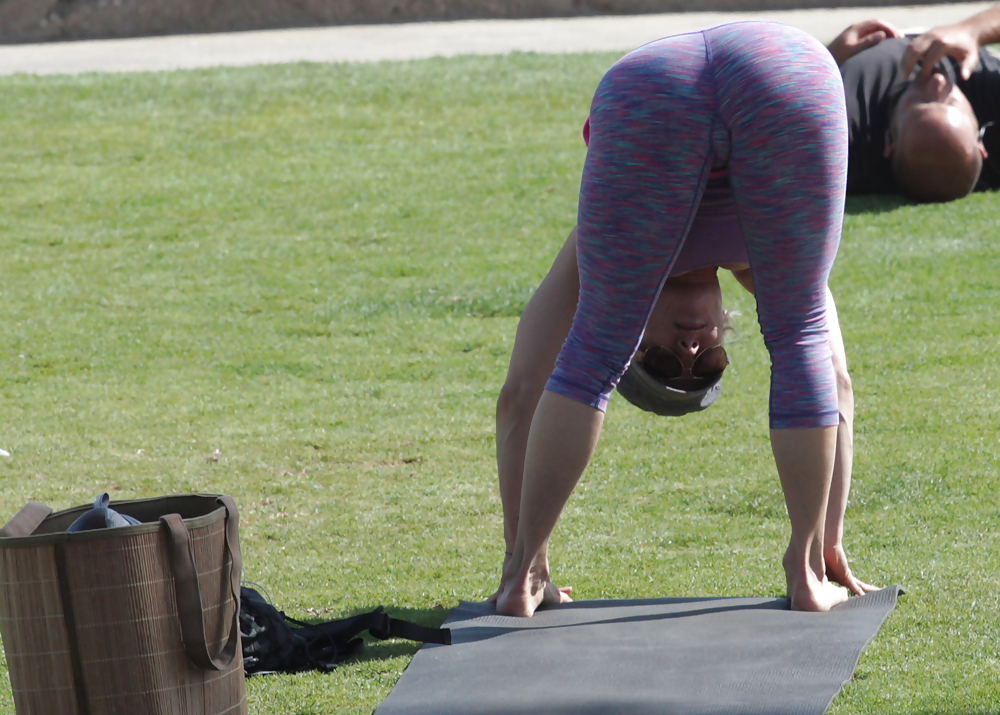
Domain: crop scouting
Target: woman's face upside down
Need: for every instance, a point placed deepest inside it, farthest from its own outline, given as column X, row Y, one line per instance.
column 688, row 319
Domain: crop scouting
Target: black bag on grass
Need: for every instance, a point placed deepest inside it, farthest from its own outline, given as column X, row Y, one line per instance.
column 275, row 643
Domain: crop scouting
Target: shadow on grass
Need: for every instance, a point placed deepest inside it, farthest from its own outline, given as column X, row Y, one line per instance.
column 875, row 204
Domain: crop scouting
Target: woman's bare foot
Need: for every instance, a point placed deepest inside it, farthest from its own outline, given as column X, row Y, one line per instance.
column 808, row 587
column 813, row 595
column 522, row 597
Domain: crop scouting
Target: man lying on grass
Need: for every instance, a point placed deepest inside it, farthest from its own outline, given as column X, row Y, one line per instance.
column 924, row 113
column 724, row 148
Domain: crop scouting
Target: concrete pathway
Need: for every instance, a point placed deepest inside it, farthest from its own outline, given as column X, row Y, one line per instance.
column 373, row 43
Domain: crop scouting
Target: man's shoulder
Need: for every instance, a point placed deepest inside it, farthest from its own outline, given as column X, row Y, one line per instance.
column 872, row 83
column 885, row 55
column 983, row 86
column 989, row 56
column 983, row 91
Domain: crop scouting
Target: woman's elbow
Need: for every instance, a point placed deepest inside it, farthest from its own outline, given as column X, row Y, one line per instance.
column 518, row 396
column 845, row 391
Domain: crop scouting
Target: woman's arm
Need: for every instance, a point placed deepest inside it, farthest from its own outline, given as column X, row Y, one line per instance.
column 837, row 566
column 833, row 547
column 540, row 334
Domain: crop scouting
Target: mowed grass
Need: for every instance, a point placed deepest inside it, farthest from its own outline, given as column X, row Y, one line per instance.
column 318, row 272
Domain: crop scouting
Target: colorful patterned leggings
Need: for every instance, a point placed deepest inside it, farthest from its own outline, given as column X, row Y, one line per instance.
column 764, row 100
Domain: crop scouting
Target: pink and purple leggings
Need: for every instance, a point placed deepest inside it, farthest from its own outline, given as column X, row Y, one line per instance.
column 766, row 102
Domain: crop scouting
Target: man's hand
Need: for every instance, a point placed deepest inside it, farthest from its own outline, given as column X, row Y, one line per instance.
column 960, row 42
column 859, row 37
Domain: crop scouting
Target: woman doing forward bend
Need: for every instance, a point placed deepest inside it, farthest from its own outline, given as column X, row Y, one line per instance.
column 725, row 148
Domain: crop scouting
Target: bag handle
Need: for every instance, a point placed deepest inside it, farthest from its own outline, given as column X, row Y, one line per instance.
column 24, row 522
column 189, row 603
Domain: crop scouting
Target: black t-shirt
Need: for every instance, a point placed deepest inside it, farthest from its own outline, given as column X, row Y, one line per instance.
column 873, row 84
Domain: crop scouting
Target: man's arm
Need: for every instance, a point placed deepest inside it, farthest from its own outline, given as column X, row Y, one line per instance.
column 960, row 41
column 859, row 37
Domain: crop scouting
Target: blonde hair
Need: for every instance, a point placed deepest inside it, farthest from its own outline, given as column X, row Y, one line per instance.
column 729, row 332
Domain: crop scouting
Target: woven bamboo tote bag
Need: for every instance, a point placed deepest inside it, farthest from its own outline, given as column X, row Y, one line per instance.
column 133, row 620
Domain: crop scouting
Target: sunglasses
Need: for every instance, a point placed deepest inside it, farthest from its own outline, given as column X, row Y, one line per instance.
column 664, row 364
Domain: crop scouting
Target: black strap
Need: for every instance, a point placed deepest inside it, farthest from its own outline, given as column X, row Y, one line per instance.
column 381, row 626
column 415, row 632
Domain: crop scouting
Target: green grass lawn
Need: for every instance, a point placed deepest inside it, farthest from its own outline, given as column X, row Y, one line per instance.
column 318, row 271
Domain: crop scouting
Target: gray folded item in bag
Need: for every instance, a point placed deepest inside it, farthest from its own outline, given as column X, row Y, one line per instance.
column 102, row 517
column 682, row 656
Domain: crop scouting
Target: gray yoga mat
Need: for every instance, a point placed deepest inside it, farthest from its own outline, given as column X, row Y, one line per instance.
column 676, row 656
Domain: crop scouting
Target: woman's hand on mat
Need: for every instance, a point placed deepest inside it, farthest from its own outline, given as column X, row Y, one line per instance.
column 859, row 37
column 838, row 569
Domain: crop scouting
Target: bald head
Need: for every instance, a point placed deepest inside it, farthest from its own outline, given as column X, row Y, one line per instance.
column 937, row 154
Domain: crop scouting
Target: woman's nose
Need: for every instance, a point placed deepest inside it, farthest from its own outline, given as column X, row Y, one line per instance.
column 689, row 344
